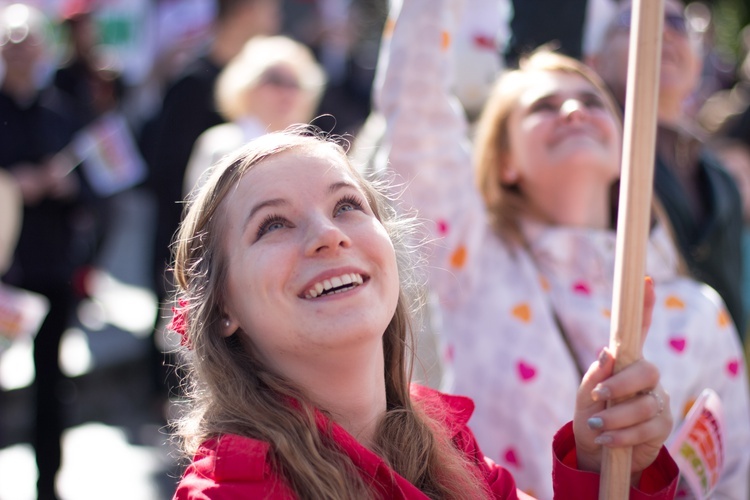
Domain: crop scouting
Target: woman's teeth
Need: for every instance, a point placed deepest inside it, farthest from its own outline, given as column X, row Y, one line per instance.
column 337, row 284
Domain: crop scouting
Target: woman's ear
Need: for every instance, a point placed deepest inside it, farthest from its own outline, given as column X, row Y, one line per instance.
column 508, row 175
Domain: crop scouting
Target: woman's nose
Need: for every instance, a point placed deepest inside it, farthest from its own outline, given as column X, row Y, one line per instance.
column 324, row 235
column 573, row 109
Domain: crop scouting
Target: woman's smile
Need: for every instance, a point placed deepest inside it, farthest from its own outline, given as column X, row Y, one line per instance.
column 335, row 285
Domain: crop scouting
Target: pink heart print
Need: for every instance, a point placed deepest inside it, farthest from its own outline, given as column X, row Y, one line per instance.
column 733, row 367
column 511, row 458
column 449, row 353
column 582, row 288
column 526, row 371
column 678, row 343
column 442, row 227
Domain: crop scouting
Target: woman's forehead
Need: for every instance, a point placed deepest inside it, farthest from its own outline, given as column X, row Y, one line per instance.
column 543, row 83
column 300, row 165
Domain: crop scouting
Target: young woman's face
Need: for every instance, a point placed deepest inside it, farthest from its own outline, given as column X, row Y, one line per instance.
column 560, row 130
column 310, row 269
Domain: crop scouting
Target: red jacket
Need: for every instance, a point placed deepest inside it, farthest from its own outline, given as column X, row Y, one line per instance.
column 232, row 466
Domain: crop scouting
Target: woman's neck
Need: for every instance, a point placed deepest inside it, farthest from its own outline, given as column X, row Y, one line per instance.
column 583, row 204
column 350, row 386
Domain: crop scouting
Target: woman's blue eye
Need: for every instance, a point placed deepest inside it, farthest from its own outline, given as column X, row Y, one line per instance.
column 347, row 204
column 270, row 223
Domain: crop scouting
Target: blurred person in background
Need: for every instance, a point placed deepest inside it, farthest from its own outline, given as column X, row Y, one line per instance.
column 523, row 246
column 78, row 72
column 274, row 82
column 698, row 194
column 344, row 36
column 11, row 216
column 736, row 156
column 188, row 109
column 35, row 124
column 726, row 115
column 91, row 83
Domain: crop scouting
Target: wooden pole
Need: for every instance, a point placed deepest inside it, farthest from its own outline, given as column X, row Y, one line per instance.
column 636, row 187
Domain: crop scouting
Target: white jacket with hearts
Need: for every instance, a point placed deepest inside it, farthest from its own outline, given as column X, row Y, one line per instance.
column 500, row 341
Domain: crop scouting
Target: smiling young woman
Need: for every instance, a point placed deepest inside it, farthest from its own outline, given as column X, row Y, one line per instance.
column 297, row 307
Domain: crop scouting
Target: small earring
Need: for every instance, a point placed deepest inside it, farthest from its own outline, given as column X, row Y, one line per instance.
column 227, row 323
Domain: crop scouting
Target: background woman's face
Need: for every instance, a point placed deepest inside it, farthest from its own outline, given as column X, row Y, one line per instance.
column 278, row 100
column 562, row 131
column 680, row 59
column 310, row 269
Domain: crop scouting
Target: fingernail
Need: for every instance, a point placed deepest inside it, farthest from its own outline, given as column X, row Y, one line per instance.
column 595, row 423
column 603, row 357
column 603, row 439
column 600, row 393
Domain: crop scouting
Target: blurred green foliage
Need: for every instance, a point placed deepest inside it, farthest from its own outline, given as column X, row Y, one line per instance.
column 730, row 16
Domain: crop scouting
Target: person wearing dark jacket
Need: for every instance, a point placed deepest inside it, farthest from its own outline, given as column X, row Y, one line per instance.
column 188, row 109
column 35, row 126
column 698, row 194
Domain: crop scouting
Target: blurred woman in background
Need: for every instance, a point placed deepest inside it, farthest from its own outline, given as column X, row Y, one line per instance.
column 274, row 82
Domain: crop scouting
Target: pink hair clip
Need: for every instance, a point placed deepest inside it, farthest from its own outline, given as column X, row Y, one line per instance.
column 179, row 322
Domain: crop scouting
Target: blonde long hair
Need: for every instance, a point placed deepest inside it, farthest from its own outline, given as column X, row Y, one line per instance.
column 231, row 391
column 504, row 202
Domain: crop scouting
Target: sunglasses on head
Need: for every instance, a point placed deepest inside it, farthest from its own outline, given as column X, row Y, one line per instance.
column 280, row 80
column 674, row 21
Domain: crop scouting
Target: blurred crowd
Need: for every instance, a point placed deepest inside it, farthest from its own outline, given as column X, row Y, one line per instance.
column 104, row 97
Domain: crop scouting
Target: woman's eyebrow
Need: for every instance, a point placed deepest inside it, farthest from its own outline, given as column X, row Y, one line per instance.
column 589, row 93
column 543, row 96
column 340, row 185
